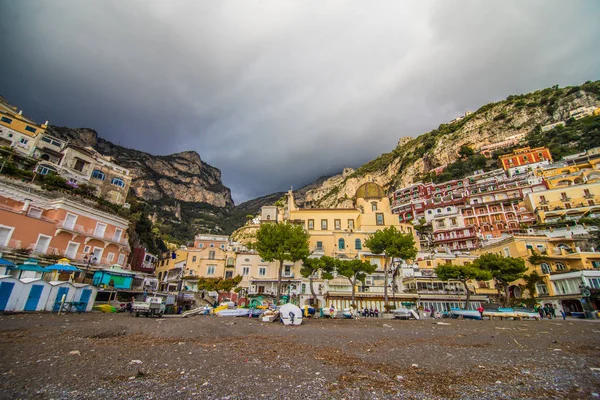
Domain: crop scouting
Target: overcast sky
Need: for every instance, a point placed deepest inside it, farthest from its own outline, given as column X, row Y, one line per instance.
column 278, row 93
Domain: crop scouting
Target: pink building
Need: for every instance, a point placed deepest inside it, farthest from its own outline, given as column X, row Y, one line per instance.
column 33, row 222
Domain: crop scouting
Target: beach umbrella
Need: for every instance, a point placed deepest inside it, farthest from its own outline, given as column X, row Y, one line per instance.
column 30, row 264
column 6, row 263
column 62, row 266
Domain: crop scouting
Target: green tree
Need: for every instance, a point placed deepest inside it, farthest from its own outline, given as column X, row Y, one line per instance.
column 392, row 244
column 594, row 234
column 219, row 285
column 311, row 267
column 353, row 270
column 535, row 258
column 504, row 270
column 281, row 242
column 462, row 273
column 465, row 151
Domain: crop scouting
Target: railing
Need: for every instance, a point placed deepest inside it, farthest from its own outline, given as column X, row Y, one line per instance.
column 12, row 244
column 49, row 250
column 91, row 232
column 71, row 227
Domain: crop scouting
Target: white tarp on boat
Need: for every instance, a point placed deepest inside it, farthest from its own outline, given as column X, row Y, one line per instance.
column 290, row 314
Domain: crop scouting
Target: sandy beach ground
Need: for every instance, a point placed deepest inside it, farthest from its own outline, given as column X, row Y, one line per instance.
column 118, row 356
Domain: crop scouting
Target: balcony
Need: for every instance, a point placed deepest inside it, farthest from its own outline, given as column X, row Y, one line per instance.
column 10, row 209
column 91, row 233
column 457, row 238
column 49, row 250
column 12, row 245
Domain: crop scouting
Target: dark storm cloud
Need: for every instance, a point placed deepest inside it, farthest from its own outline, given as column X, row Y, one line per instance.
column 278, row 93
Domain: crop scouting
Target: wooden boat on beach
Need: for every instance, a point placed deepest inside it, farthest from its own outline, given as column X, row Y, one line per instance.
column 503, row 313
column 270, row 316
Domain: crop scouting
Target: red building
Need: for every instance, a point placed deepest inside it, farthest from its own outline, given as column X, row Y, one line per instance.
column 525, row 156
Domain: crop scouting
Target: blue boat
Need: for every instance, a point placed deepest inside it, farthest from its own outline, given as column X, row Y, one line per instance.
column 257, row 312
column 469, row 314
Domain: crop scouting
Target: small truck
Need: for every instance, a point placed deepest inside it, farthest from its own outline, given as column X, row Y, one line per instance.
column 153, row 306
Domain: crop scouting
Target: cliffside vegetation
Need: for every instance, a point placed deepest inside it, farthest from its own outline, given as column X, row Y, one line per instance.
column 415, row 159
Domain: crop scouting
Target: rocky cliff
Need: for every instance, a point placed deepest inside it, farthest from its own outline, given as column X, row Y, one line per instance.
column 414, row 158
column 181, row 176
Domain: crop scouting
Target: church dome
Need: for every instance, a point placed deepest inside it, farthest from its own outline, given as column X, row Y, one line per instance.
column 370, row 190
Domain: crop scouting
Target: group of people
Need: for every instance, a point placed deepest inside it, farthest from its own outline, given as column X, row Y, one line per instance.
column 549, row 311
column 369, row 312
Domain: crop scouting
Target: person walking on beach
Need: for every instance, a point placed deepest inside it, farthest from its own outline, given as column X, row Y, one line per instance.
column 332, row 311
column 541, row 312
column 365, row 312
column 564, row 314
column 376, row 312
column 552, row 311
column 480, row 309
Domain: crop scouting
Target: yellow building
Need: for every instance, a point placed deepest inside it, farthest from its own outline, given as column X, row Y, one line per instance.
column 171, row 269
column 567, row 203
column 563, row 268
column 209, row 262
column 18, row 131
column 574, row 170
column 341, row 233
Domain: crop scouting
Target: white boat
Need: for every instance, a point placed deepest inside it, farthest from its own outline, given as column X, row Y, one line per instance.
column 468, row 314
column 404, row 313
column 234, row 312
column 290, row 314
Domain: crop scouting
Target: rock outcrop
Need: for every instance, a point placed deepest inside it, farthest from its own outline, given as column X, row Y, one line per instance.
column 181, row 176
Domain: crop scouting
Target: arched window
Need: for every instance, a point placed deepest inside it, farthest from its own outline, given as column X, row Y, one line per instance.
column 560, row 266
column 373, row 206
column 98, row 175
column 545, row 268
column 357, row 244
column 341, row 244
column 118, row 182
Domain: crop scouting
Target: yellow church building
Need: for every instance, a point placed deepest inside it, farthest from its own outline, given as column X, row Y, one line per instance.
column 341, row 233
